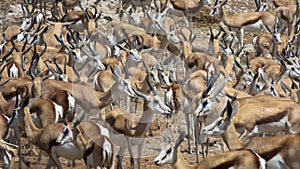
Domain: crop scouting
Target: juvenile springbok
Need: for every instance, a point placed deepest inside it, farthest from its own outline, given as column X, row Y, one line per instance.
column 278, row 151
column 170, row 154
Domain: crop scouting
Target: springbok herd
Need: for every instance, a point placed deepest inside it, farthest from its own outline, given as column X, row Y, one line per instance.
column 79, row 85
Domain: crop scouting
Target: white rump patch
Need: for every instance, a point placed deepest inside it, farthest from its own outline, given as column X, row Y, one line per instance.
column 71, row 101
column 58, row 111
column 14, row 71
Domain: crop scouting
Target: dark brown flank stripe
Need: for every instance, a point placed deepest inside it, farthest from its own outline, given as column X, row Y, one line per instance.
column 270, row 154
column 226, row 164
column 270, row 119
column 249, row 22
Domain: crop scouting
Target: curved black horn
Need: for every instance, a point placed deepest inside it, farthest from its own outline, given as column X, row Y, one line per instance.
column 151, row 87
column 8, row 54
column 17, row 98
column 44, row 50
column 24, row 102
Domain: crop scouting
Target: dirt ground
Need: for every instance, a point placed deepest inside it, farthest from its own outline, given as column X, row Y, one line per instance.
column 201, row 21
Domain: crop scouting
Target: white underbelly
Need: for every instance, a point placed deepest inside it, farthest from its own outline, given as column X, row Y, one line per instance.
column 257, row 26
column 276, row 162
column 278, row 126
column 68, row 151
column 121, row 140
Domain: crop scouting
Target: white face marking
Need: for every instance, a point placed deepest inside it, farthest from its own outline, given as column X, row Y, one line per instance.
column 65, row 136
column 154, row 76
column 25, row 24
column 159, row 106
column 165, row 156
column 215, row 128
column 277, row 37
column 172, row 37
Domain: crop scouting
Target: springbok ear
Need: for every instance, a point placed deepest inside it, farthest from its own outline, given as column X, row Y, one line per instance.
column 24, row 102
column 180, row 138
column 78, row 119
column 217, row 88
column 167, row 138
column 65, row 122
column 235, row 108
column 285, row 88
column 116, row 70
column 223, row 3
column 264, row 76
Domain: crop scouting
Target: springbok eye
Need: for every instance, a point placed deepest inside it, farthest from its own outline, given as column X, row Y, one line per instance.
column 169, row 151
column 219, row 123
column 65, row 131
column 205, row 103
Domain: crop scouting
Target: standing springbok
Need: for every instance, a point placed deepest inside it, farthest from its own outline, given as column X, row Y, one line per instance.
column 234, row 159
column 93, row 140
column 9, row 148
column 185, row 8
column 240, row 22
column 129, row 130
column 278, row 151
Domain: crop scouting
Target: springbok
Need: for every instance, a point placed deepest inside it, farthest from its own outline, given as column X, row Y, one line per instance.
column 170, row 154
column 279, row 151
column 129, row 130
column 240, row 22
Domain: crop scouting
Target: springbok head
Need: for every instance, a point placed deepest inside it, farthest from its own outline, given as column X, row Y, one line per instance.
column 18, row 114
column 217, row 9
column 168, row 152
column 70, row 131
column 209, row 95
column 220, row 125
